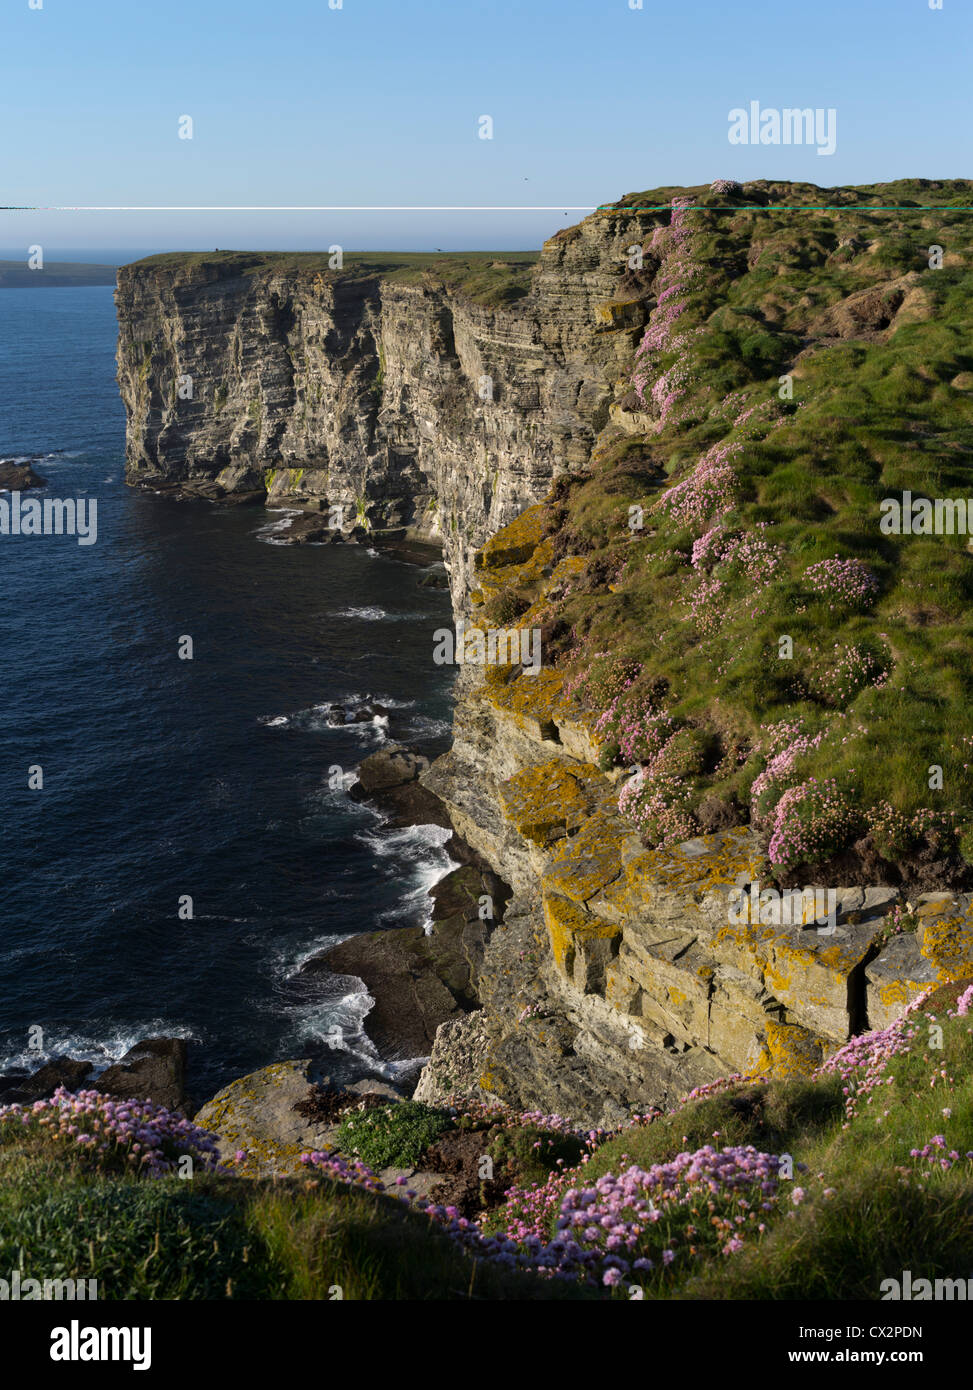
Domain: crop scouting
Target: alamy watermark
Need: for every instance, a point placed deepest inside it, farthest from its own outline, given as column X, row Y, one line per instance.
column 911, row 1290
column 54, row 516
column 924, row 516
column 77, row 1343
column 497, row 646
column 790, row 907
column 790, row 125
column 17, row 1289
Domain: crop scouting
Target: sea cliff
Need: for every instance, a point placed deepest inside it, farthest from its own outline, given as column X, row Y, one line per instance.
column 663, row 446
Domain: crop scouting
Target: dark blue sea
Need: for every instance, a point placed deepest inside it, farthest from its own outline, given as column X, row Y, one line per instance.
column 207, row 778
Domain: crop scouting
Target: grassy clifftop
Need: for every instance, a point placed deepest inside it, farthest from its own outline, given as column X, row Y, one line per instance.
column 489, row 278
column 759, row 632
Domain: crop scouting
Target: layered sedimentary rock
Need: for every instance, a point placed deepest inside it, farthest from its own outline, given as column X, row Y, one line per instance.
column 407, row 404
column 622, row 977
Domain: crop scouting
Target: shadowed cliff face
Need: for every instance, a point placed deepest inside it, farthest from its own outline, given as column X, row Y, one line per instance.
column 405, row 399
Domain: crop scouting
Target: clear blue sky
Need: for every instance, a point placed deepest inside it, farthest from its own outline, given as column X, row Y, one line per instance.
column 378, row 102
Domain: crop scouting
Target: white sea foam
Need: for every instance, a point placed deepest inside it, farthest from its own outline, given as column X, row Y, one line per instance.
column 424, row 726
column 101, row 1047
column 270, row 533
column 315, row 719
column 369, row 614
column 422, row 850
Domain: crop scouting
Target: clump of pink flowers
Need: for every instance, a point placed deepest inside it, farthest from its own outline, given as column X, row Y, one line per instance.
column 709, row 492
column 661, row 333
column 658, row 804
column 849, row 583
column 852, row 668
column 623, row 1227
column 785, row 743
column 639, row 726
column 937, row 1155
column 135, row 1135
column 339, row 1169
column 812, row 822
column 863, row 1061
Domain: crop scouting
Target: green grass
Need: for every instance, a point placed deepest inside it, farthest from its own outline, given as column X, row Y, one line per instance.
column 392, row 1134
column 228, row 1238
column 873, row 413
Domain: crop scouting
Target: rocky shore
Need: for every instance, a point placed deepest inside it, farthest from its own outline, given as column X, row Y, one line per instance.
column 153, row 1069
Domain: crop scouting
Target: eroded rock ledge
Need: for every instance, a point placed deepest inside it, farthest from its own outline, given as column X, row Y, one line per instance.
column 618, row 979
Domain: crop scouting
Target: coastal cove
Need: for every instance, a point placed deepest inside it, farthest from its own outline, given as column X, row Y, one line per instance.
column 219, row 778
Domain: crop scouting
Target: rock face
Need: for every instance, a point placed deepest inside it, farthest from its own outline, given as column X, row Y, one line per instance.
column 623, row 977
column 616, row 978
column 408, row 404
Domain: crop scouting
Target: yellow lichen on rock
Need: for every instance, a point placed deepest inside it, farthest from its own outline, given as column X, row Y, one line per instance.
column 582, row 945
column 945, row 936
column 790, row 1050
column 524, row 575
column 586, row 863
column 530, row 701
column 547, row 801
column 702, row 865
column 516, row 542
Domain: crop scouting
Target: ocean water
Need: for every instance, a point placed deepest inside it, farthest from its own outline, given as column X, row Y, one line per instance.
column 217, row 778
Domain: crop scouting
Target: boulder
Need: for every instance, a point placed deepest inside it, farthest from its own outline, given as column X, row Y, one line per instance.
column 392, row 766
column 154, row 1069
column 60, row 1071
column 401, row 969
column 257, row 1114
column 390, row 779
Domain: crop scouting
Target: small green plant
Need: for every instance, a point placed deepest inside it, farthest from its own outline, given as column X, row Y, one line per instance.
column 393, row 1135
